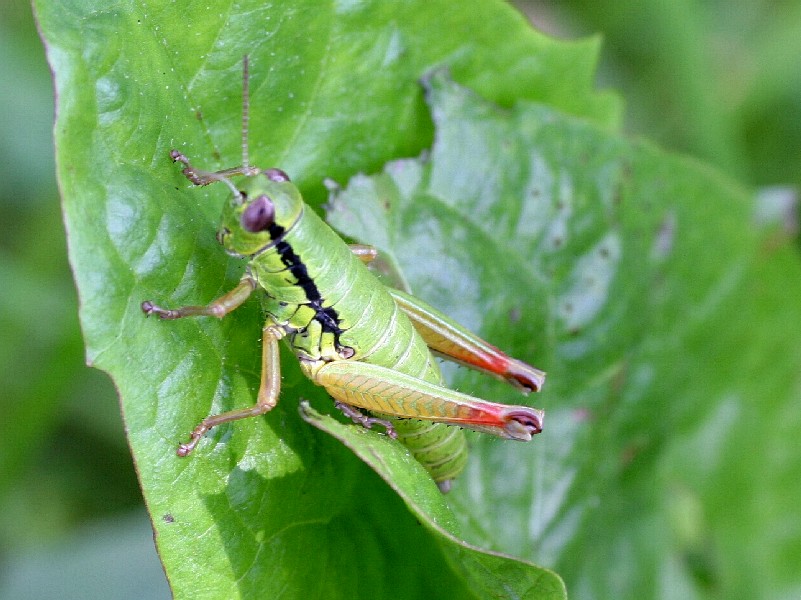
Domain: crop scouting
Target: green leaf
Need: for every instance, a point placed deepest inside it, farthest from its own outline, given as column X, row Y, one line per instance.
column 664, row 315
column 270, row 505
column 484, row 573
column 664, row 308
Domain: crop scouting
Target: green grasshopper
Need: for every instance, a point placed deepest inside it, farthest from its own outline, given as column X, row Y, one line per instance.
column 369, row 346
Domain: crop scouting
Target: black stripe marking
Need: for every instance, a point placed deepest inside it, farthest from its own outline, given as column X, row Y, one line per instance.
column 326, row 316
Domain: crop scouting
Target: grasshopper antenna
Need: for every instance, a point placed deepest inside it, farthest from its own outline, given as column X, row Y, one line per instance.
column 200, row 177
column 245, row 112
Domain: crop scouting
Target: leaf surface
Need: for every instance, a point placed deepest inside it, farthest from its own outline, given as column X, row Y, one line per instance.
column 659, row 301
column 269, row 506
column 664, row 312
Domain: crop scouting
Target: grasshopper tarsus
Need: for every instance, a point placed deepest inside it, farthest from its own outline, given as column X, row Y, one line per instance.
column 389, row 430
column 358, row 417
column 153, row 309
column 192, row 174
column 186, row 449
column 149, row 308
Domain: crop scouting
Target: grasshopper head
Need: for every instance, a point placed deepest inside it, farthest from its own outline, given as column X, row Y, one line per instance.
column 267, row 206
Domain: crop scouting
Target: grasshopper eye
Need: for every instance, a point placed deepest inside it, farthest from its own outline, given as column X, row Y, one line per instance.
column 259, row 215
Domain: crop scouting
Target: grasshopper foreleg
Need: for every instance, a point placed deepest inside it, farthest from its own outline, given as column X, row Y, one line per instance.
column 358, row 417
column 201, row 177
column 217, row 308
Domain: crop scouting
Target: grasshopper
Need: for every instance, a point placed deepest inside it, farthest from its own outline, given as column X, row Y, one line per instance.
column 369, row 346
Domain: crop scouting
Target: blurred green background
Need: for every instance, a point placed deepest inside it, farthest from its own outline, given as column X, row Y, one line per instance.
column 714, row 79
